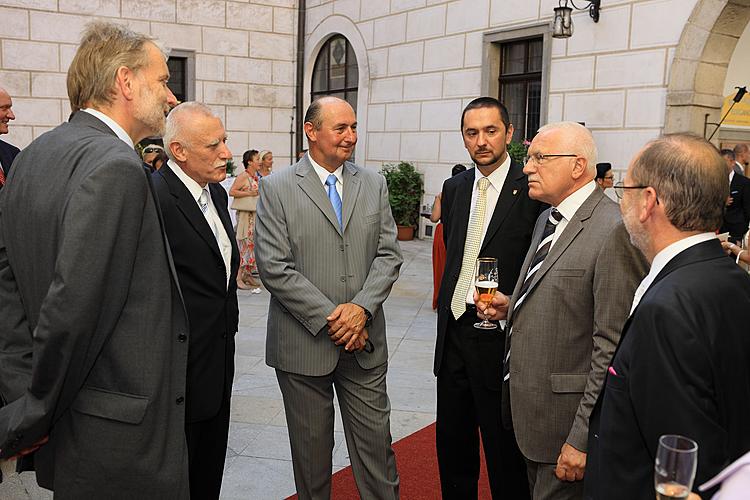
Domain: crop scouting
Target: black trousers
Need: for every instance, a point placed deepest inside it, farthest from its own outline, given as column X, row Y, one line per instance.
column 468, row 402
column 207, row 448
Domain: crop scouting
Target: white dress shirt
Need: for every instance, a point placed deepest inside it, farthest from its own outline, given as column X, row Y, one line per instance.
column 211, row 215
column 323, row 174
column 569, row 206
column 497, row 179
column 116, row 128
column 662, row 259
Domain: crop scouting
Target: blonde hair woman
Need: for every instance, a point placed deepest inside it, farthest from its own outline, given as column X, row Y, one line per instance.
column 246, row 186
column 266, row 163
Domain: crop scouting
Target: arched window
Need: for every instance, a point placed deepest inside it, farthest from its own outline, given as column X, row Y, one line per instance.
column 335, row 71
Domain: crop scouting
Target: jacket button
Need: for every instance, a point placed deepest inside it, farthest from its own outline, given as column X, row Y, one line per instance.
column 180, row 400
column 341, row 247
column 343, row 278
column 182, row 337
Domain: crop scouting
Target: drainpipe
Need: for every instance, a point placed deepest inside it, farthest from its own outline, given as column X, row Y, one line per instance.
column 299, row 99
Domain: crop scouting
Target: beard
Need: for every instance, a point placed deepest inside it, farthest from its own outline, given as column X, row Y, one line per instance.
column 487, row 160
column 150, row 111
column 638, row 236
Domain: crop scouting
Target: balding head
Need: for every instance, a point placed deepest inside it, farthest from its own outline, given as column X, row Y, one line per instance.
column 742, row 154
column 6, row 113
column 331, row 129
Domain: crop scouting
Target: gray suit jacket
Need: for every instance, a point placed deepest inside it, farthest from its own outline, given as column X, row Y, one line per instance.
column 310, row 266
column 88, row 292
column 566, row 330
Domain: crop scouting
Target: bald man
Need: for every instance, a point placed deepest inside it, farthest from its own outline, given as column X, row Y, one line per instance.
column 8, row 152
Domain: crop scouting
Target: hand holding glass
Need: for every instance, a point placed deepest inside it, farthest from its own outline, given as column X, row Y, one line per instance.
column 485, row 280
column 674, row 468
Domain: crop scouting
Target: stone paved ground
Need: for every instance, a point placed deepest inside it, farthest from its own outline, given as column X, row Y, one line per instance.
column 258, row 463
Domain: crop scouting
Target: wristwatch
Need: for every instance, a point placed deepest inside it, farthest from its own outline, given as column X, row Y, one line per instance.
column 368, row 314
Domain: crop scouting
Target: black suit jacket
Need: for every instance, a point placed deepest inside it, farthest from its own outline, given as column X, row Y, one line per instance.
column 507, row 239
column 681, row 368
column 212, row 307
column 737, row 215
column 8, row 153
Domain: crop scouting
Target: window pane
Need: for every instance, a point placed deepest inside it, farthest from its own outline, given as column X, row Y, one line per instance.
column 336, row 72
column 513, row 95
column 352, row 72
column 532, row 110
column 514, row 55
column 320, row 73
column 535, row 55
column 337, row 55
column 351, row 98
column 177, row 77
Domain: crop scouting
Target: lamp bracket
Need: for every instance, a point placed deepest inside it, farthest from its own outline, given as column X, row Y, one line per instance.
column 593, row 8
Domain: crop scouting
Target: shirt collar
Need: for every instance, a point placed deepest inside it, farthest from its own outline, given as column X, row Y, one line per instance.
column 668, row 253
column 116, row 128
column 323, row 173
column 570, row 205
column 731, row 176
column 497, row 176
column 192, row 186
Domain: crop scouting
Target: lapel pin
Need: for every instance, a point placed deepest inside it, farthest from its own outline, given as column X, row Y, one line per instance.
column 515, row 191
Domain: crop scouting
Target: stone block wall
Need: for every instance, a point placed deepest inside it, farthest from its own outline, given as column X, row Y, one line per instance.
column 244, row 60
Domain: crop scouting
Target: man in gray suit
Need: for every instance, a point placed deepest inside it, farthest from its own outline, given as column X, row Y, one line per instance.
column 92, row 346
column 566, row 312
column 326, row 248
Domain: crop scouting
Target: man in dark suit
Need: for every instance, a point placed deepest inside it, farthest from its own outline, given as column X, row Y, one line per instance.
column 737, row 213
column 682, row 363
column 468, row 361
column 91, row 314
column 8, row 152
column 741, row 157
column 205, row 254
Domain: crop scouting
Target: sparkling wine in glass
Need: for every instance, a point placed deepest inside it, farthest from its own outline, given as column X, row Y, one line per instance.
column 485, row 281
column 674, row 468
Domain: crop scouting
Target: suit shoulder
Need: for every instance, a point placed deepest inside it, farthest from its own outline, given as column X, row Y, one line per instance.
column 451, row 183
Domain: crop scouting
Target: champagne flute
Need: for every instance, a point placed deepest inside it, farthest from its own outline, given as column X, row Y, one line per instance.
column 485, row 280
column 674, row 468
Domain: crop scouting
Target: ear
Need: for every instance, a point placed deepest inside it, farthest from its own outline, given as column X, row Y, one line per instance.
column 124, row 81
column 179, row 152
column 509, row 134
column 579, row 168
column 310, row 132
column 649, row 204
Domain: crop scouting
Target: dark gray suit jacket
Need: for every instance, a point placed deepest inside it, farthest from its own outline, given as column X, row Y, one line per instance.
column 88, row 293
column 310, row 266
column 567, row 328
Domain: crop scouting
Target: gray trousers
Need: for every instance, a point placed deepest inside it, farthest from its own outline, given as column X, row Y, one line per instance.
column 365, row 412
column 544, row 485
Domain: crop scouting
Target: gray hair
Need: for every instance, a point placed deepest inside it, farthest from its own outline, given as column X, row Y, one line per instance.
column 689, row 177
column 176, row 123
column 578, row 140
column 104, row 48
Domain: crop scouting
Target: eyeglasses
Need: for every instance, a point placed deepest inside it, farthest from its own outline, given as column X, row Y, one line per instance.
column 620, row 189
column 540, row 158
column 151, row 150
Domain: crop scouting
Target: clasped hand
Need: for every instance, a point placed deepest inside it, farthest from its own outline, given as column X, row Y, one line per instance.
column 346, row 326
column 495, row 310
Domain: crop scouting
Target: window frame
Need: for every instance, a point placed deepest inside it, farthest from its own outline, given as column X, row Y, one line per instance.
column 348, row 87
column 189, row 80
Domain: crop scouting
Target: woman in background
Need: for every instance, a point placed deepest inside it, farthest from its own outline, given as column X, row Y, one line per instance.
column 438, row 245
column 245, row 185
column 266, row 163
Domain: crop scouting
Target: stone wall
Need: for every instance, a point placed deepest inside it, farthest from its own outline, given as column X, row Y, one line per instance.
column 244, row 60
column 425, row 61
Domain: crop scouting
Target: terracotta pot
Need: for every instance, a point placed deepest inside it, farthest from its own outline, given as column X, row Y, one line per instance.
column 405, row 233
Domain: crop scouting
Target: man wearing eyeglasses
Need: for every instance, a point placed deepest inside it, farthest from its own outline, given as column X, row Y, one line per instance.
column 565, row 315
column 682, row 363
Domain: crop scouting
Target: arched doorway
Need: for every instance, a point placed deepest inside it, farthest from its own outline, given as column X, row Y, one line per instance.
column 336, row 72
column 699, row 68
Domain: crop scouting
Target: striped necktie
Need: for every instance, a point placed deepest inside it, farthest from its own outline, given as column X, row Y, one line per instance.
column 536, row 263
column 471, row 250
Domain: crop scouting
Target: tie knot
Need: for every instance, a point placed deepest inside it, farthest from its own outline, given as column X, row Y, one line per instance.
column 331, row 180
column 555, row 216
column 483, row 184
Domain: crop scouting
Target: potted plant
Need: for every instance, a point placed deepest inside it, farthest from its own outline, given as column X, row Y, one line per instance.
column 404, row 194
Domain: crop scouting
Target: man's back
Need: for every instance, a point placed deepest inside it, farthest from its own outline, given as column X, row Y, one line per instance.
column 85, row 269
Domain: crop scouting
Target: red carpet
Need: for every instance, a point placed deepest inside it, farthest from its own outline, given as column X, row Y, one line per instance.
column 417, row 467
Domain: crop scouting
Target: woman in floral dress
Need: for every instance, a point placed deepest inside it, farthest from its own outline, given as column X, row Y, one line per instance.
column 246, row 184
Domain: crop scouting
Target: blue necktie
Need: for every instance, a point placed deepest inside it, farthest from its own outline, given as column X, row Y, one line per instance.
column 333, row 195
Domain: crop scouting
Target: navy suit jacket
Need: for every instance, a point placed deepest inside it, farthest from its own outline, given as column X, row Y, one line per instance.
column 212, row 308
column 8, row 153
column 737, row 215
column 681, row 368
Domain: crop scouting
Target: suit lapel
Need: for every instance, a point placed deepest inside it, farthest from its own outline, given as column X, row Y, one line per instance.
column 515, row 182
column 351, row 192
column 189, row 207
column 311, row 185
column 569, row 234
